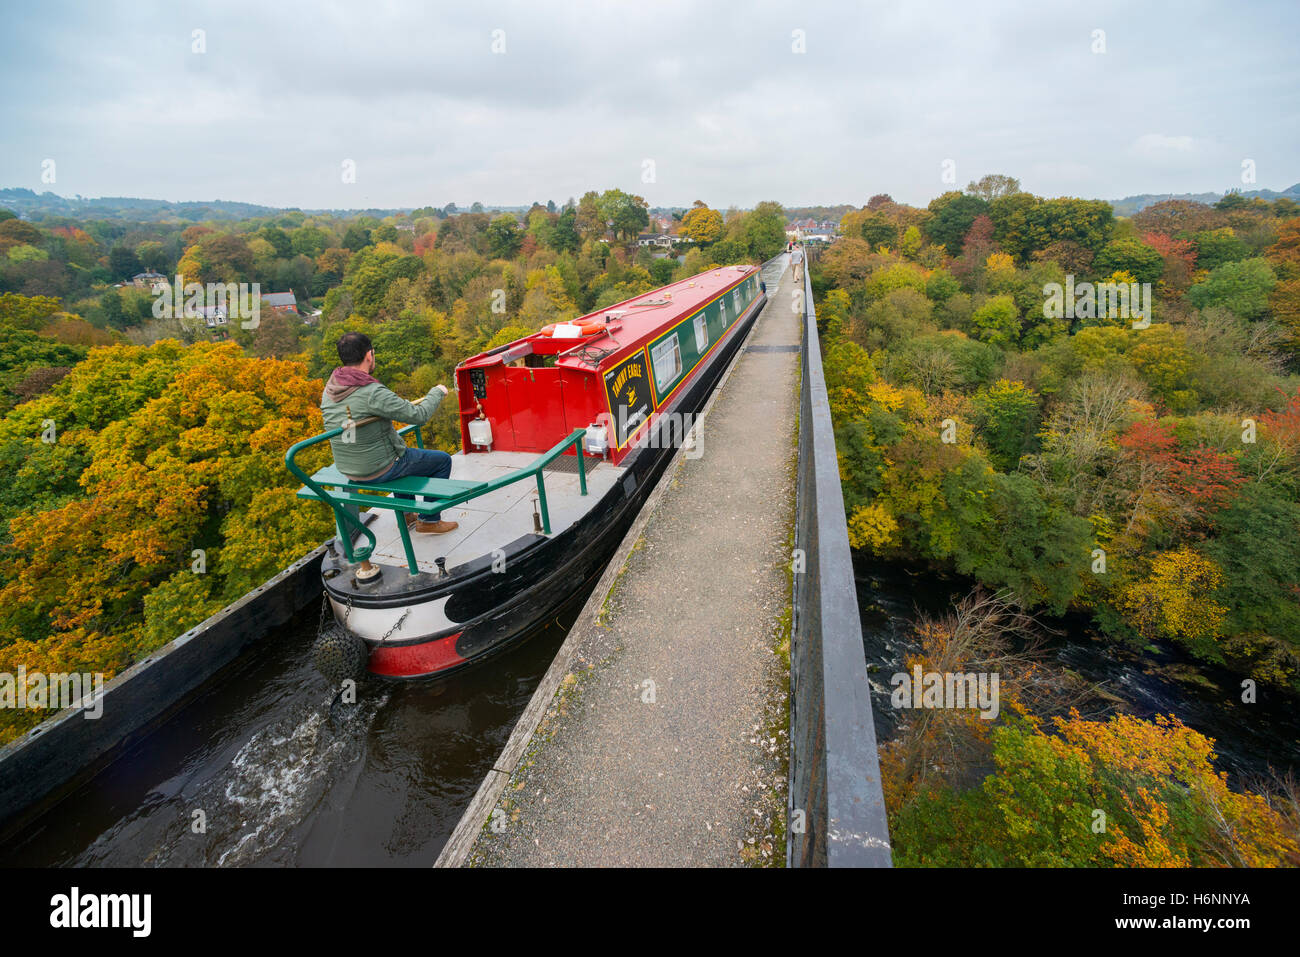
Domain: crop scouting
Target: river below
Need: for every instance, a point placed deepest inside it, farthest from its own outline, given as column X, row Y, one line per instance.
column 1252, row 741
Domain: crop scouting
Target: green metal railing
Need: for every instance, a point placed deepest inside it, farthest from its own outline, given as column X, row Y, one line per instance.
column 347, row 522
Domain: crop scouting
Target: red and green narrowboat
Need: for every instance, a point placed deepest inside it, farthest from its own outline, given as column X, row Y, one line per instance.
column 563, row 435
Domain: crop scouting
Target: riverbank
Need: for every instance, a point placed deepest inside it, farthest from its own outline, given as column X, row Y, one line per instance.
column 1252, row 740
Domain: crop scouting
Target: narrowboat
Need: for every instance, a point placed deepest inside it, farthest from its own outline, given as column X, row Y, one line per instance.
column 563, row 435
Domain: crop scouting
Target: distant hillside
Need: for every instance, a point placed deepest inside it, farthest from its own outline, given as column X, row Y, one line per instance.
column 1135, row 204
column 38, row 206
column 32, row 205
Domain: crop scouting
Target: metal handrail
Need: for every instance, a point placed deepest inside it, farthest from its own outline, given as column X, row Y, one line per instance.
column 834, row 763
column 342, row 516
column 365, row 551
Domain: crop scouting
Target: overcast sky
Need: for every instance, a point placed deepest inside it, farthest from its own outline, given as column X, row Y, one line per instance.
column 586, row 96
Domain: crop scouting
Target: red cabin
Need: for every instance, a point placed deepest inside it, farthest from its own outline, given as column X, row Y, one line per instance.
column 613, row 371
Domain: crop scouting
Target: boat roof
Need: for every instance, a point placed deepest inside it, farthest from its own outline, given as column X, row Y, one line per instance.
column 631, row 323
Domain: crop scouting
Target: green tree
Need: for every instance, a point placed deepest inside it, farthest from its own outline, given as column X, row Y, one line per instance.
column 309, row 241
column 564, row 236
column 279, row 241
column 762, row 230
column 994, row 186
column 1137, row 259
column 504, row 237
column 1214, row 247
column 356, row 238
column 1030, row 227
column 1243, row 287
column 629, row 214
column 1255, row 546
column 1007, row 414
column 123, row 262
column 952, row 215
column 998, row 321
column 879, row 231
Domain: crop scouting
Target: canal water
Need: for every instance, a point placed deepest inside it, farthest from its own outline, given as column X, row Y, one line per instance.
column 262, row 768
column 1252, row 741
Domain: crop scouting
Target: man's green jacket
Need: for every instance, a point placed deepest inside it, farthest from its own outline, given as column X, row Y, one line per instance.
column 376, row 445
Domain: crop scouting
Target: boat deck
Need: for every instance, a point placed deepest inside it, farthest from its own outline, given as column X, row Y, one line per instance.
column 494, row 520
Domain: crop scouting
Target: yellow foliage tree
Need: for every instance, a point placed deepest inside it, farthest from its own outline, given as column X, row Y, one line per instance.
column 1000, row 263
column 872, row 527
column 1175, row 600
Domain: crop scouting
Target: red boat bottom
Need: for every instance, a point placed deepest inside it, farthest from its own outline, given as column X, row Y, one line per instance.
column 413, row 661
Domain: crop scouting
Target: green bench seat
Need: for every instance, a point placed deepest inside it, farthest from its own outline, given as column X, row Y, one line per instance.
column 411, row 485
column 437, row 493
column 344, row 497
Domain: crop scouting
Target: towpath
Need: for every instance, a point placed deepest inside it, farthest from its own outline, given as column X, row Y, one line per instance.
column 659, row 736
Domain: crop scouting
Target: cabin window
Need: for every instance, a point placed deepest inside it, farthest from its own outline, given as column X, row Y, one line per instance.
column 701, row 334
column 667, row 361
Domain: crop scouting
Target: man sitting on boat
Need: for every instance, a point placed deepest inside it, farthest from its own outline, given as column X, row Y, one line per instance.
column 372, row 450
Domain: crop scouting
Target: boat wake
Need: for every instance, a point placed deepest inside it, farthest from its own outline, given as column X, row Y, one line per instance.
column 281, row 774
column 248, row 811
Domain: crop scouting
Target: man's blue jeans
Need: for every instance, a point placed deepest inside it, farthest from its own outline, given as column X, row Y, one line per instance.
column 425, row 463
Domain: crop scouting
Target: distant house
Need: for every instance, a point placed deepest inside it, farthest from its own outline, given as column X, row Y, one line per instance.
column 283, row 302
column 807, row 227
column 214, row 316
column 155, row 282
column 654, row 239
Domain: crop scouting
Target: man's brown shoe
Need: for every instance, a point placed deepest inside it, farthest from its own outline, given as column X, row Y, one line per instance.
column 436, row 528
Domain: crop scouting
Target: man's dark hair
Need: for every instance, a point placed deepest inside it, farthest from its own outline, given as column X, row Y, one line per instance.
column 353, row 348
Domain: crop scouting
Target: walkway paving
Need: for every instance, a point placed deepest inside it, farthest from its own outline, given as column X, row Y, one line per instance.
column 664, row 743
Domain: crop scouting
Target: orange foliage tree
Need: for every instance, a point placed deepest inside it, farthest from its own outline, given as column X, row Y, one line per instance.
column 183, row 451
column 1125, row 792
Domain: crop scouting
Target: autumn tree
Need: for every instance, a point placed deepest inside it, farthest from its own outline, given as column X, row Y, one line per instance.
column 170, row 445
column 1174, row 601
column 953, row 214
column 1164, row 804
column 702, row 224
